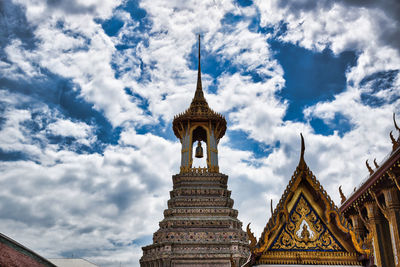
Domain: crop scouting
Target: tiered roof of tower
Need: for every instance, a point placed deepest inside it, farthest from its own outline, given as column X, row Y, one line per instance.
column 199, row 110
column 324, row 239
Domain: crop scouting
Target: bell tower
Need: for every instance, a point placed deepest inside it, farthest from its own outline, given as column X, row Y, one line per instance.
column 199, row 123
column 200, row 227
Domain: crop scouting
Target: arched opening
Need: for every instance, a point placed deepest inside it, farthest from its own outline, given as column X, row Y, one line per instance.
column 199, row 144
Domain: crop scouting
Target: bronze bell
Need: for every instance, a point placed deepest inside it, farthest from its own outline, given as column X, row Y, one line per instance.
column 199, row 150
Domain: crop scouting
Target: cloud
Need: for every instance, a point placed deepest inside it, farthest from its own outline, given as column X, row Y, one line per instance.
column 92, row 200
column 369, row 28
column 71, row 44
column 80, row 131
column 88, row 90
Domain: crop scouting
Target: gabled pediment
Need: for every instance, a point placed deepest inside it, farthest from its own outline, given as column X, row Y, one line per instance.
column 306, row 226
column 305, row 230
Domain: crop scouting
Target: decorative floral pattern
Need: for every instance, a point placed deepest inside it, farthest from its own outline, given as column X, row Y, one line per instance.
column 305, row 231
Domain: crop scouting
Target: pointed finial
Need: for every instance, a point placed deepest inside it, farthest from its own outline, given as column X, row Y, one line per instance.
column 302, row 162
column 395, row 144
column 272, row 210
column 369, row 167
column 199, row 86
column 252, row 239
column 342, row 196
column 199, row 51
column 392, row 138
column 198, row 99
column 394, row 121
column 376, row 164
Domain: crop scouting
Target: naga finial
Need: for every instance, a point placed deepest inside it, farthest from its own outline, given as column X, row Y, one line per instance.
column 394, row 121
column 272, row 210
column 376, row 164
column 342, row 196
column 369, row 168
column 302, row 162
column 253, row 240
column 395, row 144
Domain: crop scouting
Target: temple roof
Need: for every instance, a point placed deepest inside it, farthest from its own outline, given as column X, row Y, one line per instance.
column 199, row 109
column 306, row 226
column 377, row 177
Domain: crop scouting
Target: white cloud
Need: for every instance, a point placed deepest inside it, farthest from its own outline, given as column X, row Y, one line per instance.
column 81, row 51
column 341, row 26
column 92, row 201
column 95, row 201
column 21, row 60
column 82, row 132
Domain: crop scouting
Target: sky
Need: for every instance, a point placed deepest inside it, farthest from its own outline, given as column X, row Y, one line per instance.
column 89, row 88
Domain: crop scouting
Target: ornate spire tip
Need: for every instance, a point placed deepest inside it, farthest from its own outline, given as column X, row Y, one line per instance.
column 302, row 162
column 199, row 87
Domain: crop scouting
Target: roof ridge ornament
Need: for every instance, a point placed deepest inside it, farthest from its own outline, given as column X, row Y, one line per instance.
column 394, row 121
column 369, row 168
column 376, row 164
column 302, row 162
column 395, row 144
column 342, row 196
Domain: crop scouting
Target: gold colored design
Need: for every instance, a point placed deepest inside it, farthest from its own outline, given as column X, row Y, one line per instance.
column 393, row 177
column 199, row 170
column 363, row 246
column 253, row 240
column 309, row 258
column 297, row 238
column 199, row 114
column 342, row 196
column 357, row 244
column 383, row 209
column 305, row 231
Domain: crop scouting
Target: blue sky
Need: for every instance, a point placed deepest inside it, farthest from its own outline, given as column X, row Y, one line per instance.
column 89, row 90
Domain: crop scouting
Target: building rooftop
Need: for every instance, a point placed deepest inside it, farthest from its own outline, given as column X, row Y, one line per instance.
column 72, row 263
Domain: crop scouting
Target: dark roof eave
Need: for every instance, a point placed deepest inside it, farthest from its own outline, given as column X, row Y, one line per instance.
column 371, row 180
column 24, row 250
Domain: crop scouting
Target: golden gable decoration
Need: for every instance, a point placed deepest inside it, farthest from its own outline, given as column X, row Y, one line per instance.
column 306, row 227
column 305, row 231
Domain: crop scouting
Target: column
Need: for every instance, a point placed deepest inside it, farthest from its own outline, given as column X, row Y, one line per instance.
column 382, row 248
column 393, row 216
column 358, row 226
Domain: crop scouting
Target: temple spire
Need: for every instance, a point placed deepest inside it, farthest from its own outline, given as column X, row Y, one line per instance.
column 199, row 88
column 199, row 123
